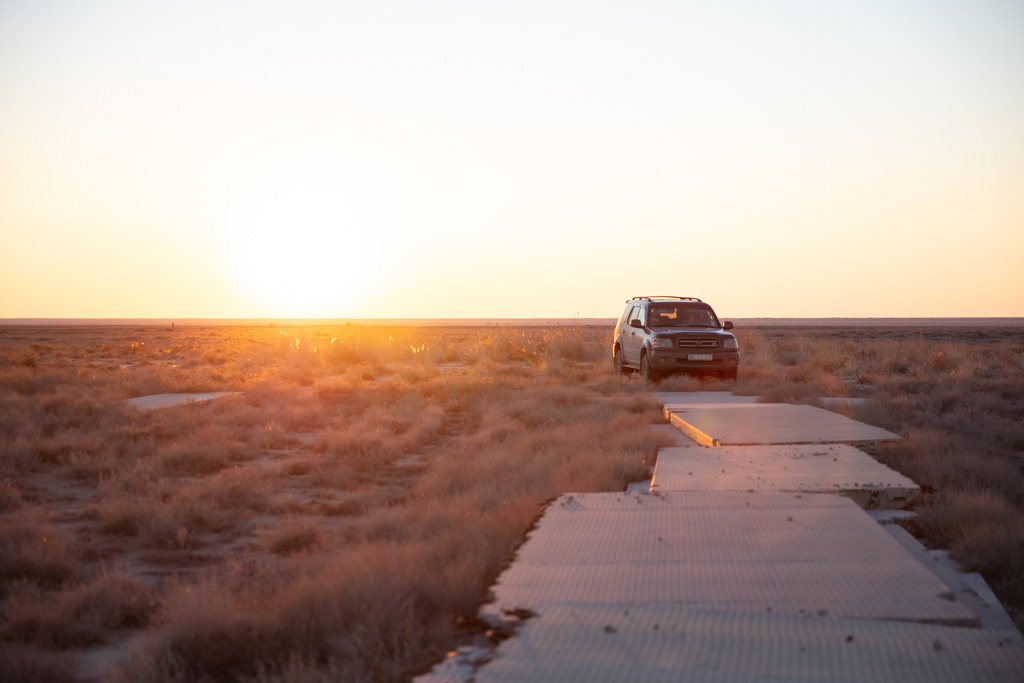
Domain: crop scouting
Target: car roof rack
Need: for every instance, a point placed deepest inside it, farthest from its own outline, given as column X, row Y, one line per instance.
column 664, row 296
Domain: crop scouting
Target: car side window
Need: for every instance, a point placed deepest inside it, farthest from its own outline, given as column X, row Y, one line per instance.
column 625, row 315
column 634, row 314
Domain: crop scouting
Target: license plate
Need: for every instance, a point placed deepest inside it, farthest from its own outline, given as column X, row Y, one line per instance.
column 699, row 356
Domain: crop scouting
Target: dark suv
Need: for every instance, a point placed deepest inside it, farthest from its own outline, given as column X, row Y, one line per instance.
column 661, row 334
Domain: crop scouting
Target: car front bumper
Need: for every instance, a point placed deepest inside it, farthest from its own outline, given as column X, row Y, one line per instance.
column 667, row 360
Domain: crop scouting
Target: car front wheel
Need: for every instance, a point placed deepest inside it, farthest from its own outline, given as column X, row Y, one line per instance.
column 617, row 361
column 646, row 371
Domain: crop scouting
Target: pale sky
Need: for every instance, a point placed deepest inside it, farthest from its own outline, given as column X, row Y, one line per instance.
column 440, row 158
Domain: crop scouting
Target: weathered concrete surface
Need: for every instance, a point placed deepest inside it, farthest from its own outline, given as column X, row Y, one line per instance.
column 825, row 468
column 741, row 585
column 784, row 553
column 723, row 424
column 167, row 400
column 569, row 643
column 671, row 399
column 843, row 401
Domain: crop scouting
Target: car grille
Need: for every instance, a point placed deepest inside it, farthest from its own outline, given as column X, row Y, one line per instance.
column 697, row 344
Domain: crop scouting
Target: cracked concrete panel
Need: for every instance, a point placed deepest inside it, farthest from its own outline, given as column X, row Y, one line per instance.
column 784, row 553
column 598, row 643
column 723, row 424
column 825, row 468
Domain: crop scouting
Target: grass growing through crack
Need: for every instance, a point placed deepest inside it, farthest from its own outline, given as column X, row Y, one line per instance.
column 343, row 517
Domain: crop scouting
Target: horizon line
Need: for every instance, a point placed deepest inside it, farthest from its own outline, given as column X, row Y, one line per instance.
column 927, row 321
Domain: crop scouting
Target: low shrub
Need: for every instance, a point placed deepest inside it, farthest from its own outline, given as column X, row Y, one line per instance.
column 33, row 549
column 10, row 497
column 78, row 615
column 22, row 663
column 292, row 536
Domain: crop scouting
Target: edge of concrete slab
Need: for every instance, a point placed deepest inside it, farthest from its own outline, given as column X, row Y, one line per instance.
column 686, row 428
column 849, row 430
column 569, row 642
column 702, row 397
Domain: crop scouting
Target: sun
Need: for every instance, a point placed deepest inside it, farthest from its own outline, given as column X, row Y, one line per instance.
column 300, row 253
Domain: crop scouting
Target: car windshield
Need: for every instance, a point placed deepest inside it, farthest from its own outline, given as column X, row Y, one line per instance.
column 681, row 315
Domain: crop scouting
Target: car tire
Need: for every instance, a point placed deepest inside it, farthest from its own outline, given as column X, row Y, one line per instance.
column 617, row 362
column 730, row 374
column 646, row 371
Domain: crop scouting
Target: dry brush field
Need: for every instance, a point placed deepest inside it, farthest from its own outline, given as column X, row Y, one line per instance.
column 342, row 516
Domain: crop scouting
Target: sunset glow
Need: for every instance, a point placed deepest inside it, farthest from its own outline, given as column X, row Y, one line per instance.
column 401, row 159
column 298, row 252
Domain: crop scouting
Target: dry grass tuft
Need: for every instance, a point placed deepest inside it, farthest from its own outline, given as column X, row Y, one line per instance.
column 10, row 497
column 32, row 549
column 25, row 664
column 293, row 536
column 985, row 533
column 78, row 615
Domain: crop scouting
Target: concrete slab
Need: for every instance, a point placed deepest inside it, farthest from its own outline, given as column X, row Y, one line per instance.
column 783, row 553
column 887, row 516
column 825, row 468
column 843, row 401
column 572, row 643
column 167, row 400
column 770, row 423
column 688, row 398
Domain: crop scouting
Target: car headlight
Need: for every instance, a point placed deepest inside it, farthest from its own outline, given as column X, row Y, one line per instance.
column 730, row 343
column 661, row 343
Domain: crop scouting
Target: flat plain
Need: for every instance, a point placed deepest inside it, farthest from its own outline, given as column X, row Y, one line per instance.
column 344, row 514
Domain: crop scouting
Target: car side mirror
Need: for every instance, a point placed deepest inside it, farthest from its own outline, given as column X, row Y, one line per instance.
column 727, row 325
column 636, row 323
